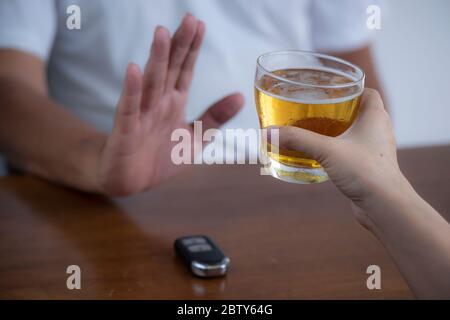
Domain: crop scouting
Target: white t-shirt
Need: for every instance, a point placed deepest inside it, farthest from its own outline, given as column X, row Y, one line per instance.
column 86, row 67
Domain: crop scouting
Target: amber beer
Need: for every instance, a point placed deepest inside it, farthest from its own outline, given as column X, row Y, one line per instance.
column 314, row 97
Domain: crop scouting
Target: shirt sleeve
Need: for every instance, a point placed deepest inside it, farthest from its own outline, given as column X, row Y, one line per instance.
column 340, row 25
column 28, row 26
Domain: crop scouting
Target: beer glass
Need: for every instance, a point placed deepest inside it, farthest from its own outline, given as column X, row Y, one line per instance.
column 313, row 91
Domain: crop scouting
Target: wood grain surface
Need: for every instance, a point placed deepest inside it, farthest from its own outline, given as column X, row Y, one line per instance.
column 285, row 241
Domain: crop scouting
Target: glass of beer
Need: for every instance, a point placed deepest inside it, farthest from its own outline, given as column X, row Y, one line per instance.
column 313, row 91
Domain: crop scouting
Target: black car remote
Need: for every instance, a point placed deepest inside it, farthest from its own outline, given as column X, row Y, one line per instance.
column 202, row 256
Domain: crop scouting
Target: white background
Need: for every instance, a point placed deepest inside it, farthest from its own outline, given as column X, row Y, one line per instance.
column 412, row 50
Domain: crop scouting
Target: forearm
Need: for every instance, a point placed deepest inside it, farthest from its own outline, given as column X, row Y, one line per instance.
column 41, row 137
column 417, row 238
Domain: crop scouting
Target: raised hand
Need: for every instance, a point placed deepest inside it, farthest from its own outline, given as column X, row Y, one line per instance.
column 136, row 155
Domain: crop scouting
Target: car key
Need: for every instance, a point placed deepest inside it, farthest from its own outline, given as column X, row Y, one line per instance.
column 202, row 256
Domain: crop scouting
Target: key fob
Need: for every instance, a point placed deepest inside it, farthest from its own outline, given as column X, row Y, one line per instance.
column 202, row 256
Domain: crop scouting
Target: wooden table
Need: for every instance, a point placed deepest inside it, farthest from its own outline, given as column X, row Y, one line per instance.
column 285, row 241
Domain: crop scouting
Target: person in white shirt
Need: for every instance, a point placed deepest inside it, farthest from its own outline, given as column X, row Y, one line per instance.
column 69, row 116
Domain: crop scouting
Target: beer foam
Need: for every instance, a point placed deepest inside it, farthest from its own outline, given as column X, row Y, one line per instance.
column 299, row 86
column 291, row 92
column 315, row 77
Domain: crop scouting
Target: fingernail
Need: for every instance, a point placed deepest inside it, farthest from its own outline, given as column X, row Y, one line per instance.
column 159, row 29
column 240, row 98
column 160, row 35
column 189, row 17
column 132, row 81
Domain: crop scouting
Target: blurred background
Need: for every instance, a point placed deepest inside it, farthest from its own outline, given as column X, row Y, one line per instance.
column 412, row 52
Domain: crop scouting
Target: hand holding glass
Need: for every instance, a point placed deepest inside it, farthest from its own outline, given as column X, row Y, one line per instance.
column 309, row 90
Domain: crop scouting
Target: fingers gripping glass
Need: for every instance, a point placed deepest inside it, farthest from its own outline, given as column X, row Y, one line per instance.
column 313, row 91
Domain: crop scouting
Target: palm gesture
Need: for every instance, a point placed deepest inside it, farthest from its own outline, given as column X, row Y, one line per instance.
column 136, row 155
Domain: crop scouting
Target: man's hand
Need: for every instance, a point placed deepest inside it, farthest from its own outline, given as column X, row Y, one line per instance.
column 41, row 137
column 136, row 155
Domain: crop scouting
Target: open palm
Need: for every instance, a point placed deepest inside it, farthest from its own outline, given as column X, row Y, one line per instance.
column 136, row 155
